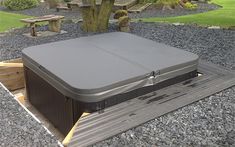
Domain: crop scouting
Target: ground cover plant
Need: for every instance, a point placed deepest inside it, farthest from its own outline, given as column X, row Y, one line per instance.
column 20, row 4
column 10, row 20
column 223, row 17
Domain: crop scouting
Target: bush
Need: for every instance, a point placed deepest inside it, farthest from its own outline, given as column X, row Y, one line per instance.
column 120, row 13
column 20, row 4
column 171, row 3
column 190, row 6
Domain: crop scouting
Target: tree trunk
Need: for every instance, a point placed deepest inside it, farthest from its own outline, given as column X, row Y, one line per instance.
column 89, row 14
column 104, row 14
column 95, row 20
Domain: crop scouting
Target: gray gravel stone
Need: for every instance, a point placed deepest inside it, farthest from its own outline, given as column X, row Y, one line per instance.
column 149, row 12
column 156, row 12
column 43, row 10
column 18, row 127
column 214, row 45
column 209, row 122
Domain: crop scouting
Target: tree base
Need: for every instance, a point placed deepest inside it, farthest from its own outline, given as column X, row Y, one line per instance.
column 124, row 29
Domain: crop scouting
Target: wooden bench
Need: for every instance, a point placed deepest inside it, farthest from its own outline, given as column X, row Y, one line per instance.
column 74, row 3
column 58, row 8
column 54, row 23
column 62, row 6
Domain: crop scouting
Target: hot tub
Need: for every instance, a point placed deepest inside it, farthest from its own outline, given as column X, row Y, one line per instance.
column 66, row 78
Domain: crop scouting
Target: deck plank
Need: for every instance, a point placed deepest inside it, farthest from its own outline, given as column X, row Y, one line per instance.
column 116, row 119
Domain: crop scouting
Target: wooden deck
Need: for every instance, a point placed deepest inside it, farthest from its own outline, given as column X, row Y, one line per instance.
column 12, row 74
column 138, row 8
column 101, row 125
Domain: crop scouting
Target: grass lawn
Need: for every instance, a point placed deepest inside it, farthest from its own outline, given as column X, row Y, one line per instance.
column 224, row 17
column 10, row 20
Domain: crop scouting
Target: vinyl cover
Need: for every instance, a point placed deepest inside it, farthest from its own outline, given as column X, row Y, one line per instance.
column 93, row 68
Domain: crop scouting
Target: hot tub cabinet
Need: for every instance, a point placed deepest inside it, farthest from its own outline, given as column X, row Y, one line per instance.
column 66, row 78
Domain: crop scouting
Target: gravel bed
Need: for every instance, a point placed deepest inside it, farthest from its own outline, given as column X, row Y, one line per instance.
column 18, row 128
column 214, row 45
column 43, row 10
column 156, row 12
column 149, row 12
column 209, row 122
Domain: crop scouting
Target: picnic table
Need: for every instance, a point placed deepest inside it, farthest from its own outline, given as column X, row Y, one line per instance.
column 54, row 23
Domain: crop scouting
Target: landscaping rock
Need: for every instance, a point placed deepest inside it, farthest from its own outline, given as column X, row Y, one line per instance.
column 18, row 127
column 42, row 10
column 149, row 12
column 214, row 27
column 154, row 11
column 209, row 122
column 232, row 28
column 124, row 24
column 214, row 45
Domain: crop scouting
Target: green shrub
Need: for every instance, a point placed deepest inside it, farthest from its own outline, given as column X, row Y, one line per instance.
column 171, row 3
column 120, row 13
column 20, row 4
column 190, row 6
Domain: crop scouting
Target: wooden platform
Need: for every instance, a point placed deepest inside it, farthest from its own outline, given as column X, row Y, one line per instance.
column 58, row 8
column 138, row 8
column 119, row 118
column 12, row 74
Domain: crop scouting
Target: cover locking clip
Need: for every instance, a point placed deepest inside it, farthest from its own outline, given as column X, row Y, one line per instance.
column 155, row 73
column 153, row 77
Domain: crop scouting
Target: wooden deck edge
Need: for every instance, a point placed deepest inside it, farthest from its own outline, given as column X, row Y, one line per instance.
column 12, row 74
column 119, row 118
column 69, row 136
column 139, row 9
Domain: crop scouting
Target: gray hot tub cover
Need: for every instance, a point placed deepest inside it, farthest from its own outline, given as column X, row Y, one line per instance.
column 90, row 69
